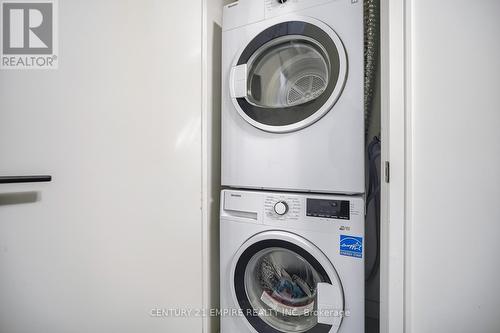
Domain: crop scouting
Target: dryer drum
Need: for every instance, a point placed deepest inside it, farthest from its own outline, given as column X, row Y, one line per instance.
column 295, row 73
column 289, row 71
column 305, row 88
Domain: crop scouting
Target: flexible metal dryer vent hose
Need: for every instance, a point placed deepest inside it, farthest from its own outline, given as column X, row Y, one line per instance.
column 371, row 57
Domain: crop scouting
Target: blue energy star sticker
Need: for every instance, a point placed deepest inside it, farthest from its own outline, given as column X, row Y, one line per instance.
column 351, row 246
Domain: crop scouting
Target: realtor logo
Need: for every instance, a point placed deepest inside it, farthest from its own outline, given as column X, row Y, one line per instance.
column 29, row 34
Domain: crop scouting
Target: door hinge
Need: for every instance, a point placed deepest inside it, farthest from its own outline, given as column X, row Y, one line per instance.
column 387, row 172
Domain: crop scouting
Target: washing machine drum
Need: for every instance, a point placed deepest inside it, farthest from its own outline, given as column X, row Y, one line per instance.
column 289, row 76
column 276, row 284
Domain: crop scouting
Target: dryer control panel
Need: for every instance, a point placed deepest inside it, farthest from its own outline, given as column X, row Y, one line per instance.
column 243, row 12
column 278, row 7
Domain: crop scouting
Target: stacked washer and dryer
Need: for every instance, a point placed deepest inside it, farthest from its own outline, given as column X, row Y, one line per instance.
column 293, row 165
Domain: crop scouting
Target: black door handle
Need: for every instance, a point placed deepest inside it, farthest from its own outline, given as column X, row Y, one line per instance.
column 25, row 179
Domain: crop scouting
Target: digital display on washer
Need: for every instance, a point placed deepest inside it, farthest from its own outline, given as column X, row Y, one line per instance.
column 331, row 209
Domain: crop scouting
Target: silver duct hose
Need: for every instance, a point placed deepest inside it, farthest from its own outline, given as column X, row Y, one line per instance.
column 371, row 57
column 371, row 9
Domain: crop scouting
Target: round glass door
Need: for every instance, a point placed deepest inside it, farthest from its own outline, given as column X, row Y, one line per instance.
column 289, row 71
column 282, row 282
column 276, row 285
column 295, row 73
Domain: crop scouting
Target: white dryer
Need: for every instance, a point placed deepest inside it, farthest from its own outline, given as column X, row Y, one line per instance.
column 291, row 263
column 292, row 109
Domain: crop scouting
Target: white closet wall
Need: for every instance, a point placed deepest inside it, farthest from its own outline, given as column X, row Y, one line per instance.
column 212, row 50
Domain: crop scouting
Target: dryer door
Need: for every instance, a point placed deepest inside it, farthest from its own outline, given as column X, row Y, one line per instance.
column 284, row 284
column 289, row 75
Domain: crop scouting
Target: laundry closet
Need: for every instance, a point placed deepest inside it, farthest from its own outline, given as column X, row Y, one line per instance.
column 294, row 131
column 419, row 171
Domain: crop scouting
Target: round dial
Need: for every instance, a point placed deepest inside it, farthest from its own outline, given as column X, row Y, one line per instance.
column 281, row 208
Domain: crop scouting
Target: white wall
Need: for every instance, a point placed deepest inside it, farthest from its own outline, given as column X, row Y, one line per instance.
column 453, row 263
column 211, row 134
column 118, row 125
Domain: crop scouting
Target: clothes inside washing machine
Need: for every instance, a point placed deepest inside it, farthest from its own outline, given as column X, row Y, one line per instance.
column 282, row 285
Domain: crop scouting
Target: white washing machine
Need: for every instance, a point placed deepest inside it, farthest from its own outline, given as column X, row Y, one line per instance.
column 292, row 109
column 291, row 263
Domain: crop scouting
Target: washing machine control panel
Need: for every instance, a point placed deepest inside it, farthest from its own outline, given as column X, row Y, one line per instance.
column 330, row 209
column 278, row 207
column 293, row 208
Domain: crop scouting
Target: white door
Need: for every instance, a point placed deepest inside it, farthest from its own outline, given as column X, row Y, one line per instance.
column 442, row 140
column 117, row 126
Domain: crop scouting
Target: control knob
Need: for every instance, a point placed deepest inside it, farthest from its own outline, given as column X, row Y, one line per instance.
column 281, row 208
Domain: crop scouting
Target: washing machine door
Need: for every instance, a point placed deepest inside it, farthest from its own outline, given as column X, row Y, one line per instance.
column 289, row 76
column 284, row 284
